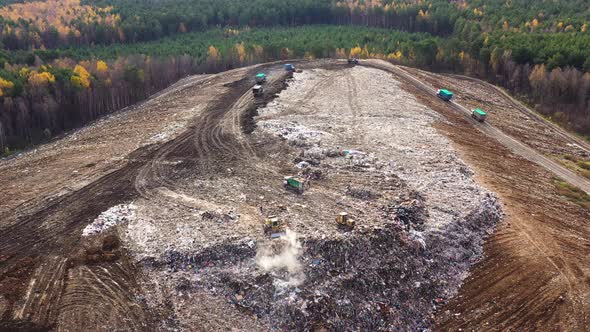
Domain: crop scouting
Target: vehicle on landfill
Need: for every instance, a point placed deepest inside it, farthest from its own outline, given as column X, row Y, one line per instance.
column 257, row 90
column 353, row 61
column 271, row 223
column 444, row 94
column 295, row 183
column 479, row 115
column 344, row 221
column 289, row 67
column 273, row 227
column 260, row 78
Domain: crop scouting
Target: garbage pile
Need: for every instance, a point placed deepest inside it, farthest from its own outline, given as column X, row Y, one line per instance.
column 294, row 133
column 409, row 209
column 387, row 277
column 361, row 193
column 421, row 220
column 110, row 218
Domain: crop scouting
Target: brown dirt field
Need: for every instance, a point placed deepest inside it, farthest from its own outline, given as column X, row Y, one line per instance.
column 51, row 278
column 536, row 273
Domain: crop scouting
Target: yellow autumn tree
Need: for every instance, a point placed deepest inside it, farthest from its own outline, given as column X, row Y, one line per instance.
column 258, row 51
column 355, row 52
column 395, row 57
column 213, row 53
column 37, row 79
column 81, row 77
column 559, row 26
column 5, row 85
column 341, row 53
column 286, row 53
column 101, row 67
column 537, row 76
column 23, row 72
column 241, row 52
column 584, row 27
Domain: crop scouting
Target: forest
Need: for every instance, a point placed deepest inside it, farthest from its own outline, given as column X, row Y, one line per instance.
column 68, row 62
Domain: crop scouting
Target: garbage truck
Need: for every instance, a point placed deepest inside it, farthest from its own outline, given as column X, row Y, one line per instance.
column 257, row 90
column 444, row 94
column 260, row 78
column 478, row 115
column 294, row 183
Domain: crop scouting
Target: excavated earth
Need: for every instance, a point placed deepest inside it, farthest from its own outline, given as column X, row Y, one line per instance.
column 152, row 219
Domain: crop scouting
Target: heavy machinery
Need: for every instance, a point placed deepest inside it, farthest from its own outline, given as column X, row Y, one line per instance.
column 273, row 227
column 444, row 94
column 295, row 183
column 478, row 115
column 290, row 68
column 260, row 78
column 344, row 221
column 257, row 90
column 353, row 61
column 271, row 224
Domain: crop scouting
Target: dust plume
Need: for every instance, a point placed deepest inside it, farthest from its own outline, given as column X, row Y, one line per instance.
column 280, row 258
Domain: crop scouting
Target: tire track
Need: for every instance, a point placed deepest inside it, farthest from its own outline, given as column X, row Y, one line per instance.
column 531, row 114
column 511, row 143
column 56, row 228
column 533, row 273
column 519, row 149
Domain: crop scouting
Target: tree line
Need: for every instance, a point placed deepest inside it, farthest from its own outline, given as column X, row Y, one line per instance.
column 47, row 44
column 62, row 90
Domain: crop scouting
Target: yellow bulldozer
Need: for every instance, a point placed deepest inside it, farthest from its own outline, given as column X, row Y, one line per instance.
column 344, row 221
column 273, row 227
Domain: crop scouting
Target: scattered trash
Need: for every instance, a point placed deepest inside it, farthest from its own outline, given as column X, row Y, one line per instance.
column 421, row 221
column 110, row 218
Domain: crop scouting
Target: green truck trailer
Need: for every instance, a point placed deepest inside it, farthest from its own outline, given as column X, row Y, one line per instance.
column 479, row 115
column 260, row 78
column 294, row 183
column 444, row 94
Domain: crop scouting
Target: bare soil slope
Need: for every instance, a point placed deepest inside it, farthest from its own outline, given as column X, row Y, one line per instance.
column 536, row 274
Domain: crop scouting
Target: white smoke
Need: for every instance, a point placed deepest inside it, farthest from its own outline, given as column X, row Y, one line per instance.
column 280, row 258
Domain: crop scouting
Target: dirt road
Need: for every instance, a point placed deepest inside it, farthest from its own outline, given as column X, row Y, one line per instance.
column 511, row 143
column 536, row 274
column 519, row 106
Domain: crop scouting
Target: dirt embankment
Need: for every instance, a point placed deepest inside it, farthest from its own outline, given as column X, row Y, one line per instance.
column 536, row 272
column 49, row 276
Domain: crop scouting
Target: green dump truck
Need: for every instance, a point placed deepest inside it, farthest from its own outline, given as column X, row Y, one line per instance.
column 260, row 78
column 478, row 115
column 444, row 94
column 294, row 183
